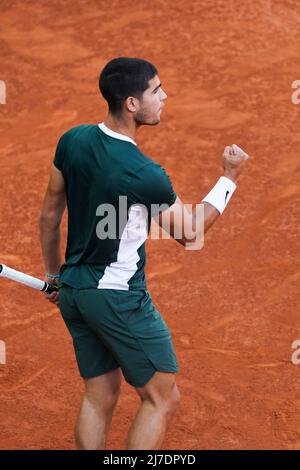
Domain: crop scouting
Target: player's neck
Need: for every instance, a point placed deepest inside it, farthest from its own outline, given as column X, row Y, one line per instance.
column 120, row 125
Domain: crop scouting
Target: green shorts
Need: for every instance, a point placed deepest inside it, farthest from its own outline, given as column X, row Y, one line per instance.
column 116, row 328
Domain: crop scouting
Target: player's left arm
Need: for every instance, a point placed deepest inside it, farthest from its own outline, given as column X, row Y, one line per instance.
column 50, row 220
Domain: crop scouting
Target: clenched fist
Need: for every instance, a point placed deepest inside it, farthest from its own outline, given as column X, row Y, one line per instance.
column 233, row 161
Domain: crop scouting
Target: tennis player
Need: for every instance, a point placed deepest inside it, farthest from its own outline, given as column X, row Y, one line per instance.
column 103, row 297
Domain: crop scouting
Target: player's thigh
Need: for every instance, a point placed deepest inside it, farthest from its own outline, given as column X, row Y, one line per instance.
column 92, row 356
column 104, row 389
column 132, row 329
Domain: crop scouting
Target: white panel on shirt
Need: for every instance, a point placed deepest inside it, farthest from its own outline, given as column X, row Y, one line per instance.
column 118, row 273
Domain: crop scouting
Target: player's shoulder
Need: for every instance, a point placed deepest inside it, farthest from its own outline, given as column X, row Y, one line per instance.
column 150, row 167
column 151, row 176
column 80, row 132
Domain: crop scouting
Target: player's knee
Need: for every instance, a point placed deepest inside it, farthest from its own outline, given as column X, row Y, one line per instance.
column 167, row 403
column 103, row 403
column 174, row 399
column 109, row 402
column 103, row 392
column 170, row 403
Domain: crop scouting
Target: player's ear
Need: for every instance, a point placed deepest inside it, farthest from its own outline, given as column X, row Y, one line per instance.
column 132, row 104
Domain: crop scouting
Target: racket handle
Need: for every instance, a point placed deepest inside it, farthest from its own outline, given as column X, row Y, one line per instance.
column 49, row 288
column 27, row 280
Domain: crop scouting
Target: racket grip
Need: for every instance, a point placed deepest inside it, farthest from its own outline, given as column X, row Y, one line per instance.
column 50, row 288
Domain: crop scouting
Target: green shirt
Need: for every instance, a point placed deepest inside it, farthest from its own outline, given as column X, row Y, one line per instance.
column 99, row 166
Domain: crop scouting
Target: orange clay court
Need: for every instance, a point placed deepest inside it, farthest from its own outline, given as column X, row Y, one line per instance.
column 228, row 69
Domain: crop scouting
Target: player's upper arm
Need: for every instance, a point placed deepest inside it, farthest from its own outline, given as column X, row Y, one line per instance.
column 152, row 187
column 55, row 198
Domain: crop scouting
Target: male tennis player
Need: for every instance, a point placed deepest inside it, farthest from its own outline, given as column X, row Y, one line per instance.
column 103, row 296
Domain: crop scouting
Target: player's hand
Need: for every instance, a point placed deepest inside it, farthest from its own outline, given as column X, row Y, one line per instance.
column 233, row 161
column 54, row 296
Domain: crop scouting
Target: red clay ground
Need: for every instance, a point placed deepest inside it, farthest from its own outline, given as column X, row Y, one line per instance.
column 227, row 67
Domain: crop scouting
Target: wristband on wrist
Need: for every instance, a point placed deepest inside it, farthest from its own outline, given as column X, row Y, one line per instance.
column 52, row 276
column 221, row 193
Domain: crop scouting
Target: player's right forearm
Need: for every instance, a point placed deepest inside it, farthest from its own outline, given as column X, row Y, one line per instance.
column 202, row 219
column 211, row 213
column 204, row 215
column 187, row 226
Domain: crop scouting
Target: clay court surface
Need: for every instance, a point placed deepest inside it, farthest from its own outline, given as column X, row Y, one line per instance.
column 227, row 67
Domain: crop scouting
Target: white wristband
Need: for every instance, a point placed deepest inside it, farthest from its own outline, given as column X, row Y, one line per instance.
column 221, row 193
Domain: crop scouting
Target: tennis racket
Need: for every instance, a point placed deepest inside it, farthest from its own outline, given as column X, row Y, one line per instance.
column 27, row 280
